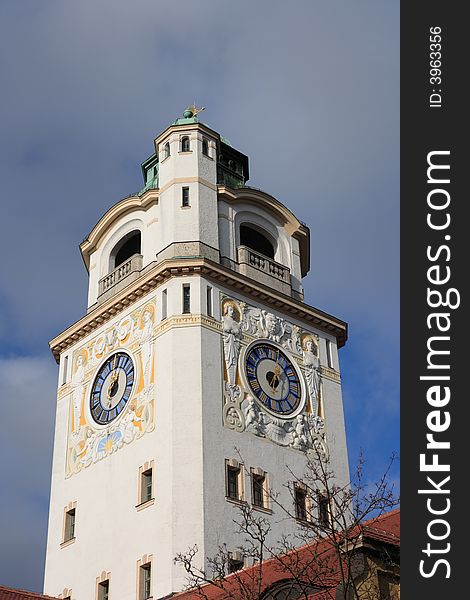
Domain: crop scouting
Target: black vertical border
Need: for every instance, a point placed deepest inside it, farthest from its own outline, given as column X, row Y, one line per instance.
column 425, row 129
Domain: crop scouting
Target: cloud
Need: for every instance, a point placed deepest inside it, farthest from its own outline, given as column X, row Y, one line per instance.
column 27, row 389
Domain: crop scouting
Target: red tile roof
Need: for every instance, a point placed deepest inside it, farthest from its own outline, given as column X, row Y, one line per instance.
column 7, row 593
column 317, row 560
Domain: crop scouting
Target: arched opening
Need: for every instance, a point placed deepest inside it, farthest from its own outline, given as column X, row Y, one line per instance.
column 129, row 245
column 185, row 144
column 255, row 240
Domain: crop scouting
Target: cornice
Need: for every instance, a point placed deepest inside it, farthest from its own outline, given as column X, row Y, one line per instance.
column 196, row 266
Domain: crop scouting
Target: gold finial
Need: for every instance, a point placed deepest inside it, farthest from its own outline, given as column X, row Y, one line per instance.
column 192, row 111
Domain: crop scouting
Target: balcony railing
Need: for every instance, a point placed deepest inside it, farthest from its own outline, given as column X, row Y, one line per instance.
column 263, row 263
column 132, row 264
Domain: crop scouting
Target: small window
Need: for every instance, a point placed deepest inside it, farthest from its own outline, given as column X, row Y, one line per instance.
column 69, row 529
column 233, row 482
column 235, row 562
column 300, row 500
column 329, row 354
column 65, row 364
column 185, row 196
column 146, row 486
column 205, row 147
column 209, row 301
column 186, row 298
column 103, row 590
column 185, row 144
column 234, row 476
column 257, row 489
column 323, row 512
column 145, row 582
column 166, row 150
column 164, row 304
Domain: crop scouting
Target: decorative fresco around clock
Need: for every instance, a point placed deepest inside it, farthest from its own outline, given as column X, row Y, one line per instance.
column 111, row 399
column 272, row 378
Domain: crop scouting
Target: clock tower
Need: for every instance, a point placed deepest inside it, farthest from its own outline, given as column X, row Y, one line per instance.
column 197, row 381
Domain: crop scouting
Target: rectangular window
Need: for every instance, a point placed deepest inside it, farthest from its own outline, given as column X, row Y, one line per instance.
column 300, row 500
column 329, row 354
column 233, row 476
column 186, row 298
column 103, row 590
column 209, row 301
column 146, row 486
column 164, row 304
column 185, row 196
column 258, row 483
column 145, row 582
column 69, row 530
column 65, row 363
column 235, row 562
column 323, row 511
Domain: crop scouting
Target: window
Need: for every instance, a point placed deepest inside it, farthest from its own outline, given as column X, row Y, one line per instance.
column 185, row 196
column 164, row 304
column 232, row 483
column 65, row 362
column 234, row 480
column 256, row 241
column 186, row 298
column 209, row 301
column 166, row 150
column 205, row 147
column 329, row 354
column 185, row 144
column 258, row 484
column 151, row 172
column 323, row 511
column 235, row 562
column 145, row 581
column 259, row 493
column 145, row 496
column 103, row 590
column 146, row 486
column 300, row 500
column 69, row 523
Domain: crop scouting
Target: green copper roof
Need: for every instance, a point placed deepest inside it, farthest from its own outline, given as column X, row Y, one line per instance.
column 185, row 121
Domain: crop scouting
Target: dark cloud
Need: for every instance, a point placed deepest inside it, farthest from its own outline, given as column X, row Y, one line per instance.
column 309, row 90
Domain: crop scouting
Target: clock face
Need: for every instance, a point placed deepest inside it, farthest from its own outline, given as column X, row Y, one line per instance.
column 273, row 379
column 112, row 388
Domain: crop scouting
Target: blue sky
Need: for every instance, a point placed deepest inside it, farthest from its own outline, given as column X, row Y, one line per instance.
column 309, row 90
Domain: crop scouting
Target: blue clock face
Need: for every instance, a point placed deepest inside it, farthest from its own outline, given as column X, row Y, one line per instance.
column 273, row 379
column 112, row 388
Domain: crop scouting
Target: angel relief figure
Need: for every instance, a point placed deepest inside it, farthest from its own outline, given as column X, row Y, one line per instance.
column 312, row 371
column 144, row 336
column 232, row 334
column 78, row 392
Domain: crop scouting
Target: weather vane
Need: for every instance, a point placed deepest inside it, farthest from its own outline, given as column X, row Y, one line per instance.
column 192, row 111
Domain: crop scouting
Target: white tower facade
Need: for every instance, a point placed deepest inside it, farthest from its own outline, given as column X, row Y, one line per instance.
column 197, row 381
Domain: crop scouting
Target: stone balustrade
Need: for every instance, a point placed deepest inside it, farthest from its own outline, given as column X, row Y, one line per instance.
column 247, row 256
column 131, row 265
